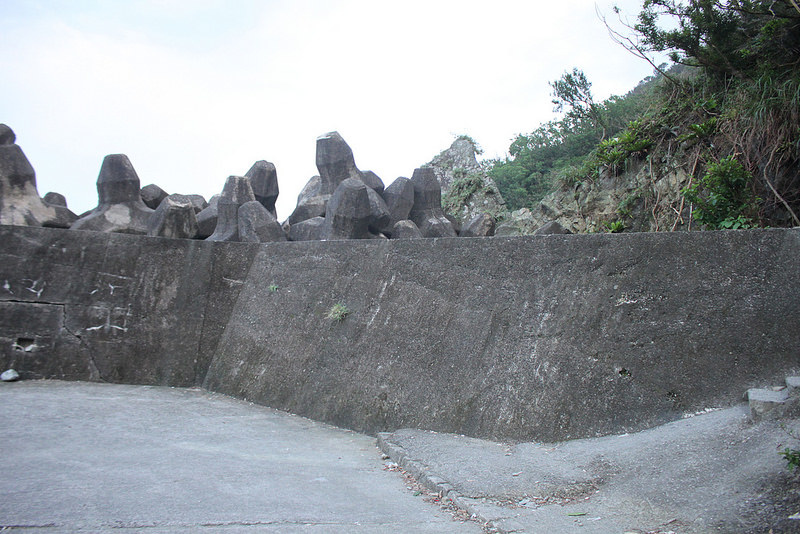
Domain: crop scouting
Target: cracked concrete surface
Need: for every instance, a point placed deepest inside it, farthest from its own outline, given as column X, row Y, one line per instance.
column 99, row 458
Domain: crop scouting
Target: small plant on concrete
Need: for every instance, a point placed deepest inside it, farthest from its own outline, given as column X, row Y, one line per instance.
column 338, row 312
column 273, row 288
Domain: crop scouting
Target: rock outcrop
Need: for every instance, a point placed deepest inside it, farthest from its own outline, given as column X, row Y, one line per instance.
column 640, row 199
column 467, row 189
column 551, row 228
column 519, row 222
column 481, row 225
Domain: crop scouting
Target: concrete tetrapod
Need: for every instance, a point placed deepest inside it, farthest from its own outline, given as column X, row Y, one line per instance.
column 120, row 208
column 20, row 204
column 427, row 211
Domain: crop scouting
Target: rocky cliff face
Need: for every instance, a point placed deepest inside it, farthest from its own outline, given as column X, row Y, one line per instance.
column 641, row 198
column 467, row 190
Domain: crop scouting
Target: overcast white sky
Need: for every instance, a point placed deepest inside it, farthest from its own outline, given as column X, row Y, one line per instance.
column 196, row 90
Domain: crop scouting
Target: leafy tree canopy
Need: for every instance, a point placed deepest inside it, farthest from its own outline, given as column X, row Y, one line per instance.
column 734, row 92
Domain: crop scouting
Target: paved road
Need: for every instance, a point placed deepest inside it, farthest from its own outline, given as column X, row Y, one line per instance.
column 715, row 472
column 98, row 457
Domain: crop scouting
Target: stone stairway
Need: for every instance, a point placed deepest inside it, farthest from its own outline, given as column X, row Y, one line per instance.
column 775, row 402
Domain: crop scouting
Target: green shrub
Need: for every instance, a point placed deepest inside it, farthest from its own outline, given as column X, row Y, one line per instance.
column 463, row 187
column 792, row 457
column 723, row 199
column 700, row 130
column 632, row 141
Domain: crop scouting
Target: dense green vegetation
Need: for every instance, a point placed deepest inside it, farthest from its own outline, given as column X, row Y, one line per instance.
column 729, row 106
column 556, row 149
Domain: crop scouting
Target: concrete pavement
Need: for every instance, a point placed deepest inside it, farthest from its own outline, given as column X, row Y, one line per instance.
column 712, row 472
column 98, row 457
column 89, row 457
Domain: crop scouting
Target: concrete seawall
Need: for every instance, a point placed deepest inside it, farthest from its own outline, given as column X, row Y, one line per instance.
column 528, row 338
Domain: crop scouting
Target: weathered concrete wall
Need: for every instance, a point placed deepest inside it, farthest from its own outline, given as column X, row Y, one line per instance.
column 544, row 338
column 114, row 307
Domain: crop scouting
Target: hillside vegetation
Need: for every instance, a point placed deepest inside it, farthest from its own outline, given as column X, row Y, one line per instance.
column 710, row 142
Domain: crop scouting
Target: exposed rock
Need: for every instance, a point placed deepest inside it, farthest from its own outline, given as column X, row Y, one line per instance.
column 519, row 222
column 461, row 156
column 55, row 199
column 348, row 215
column 236, row 192
column 406, row 230
column 120, row 207
column 311, row 202
column 373, row 181
column 644, row 198
column 20, row 204
column 434, row 226
column 427, row 211
column 10, row 375
column 309, row 230
column 152, row 195
column 207, row 218
column 174, row 218
column 399, row 197
column 553, row 227
column 467, row 189
column 264, row 181
column 481, row 225
column 258, row 225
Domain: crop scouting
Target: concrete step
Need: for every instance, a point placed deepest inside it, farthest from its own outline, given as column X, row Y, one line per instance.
column 767, row 402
